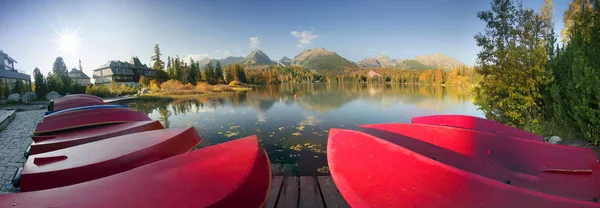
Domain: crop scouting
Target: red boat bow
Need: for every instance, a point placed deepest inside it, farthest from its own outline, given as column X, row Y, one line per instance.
column 89, row 118
column 63, row 140
column 475, row 123
column 522, row 162
column 371, row 172
column 103, row 158
column 231, row 174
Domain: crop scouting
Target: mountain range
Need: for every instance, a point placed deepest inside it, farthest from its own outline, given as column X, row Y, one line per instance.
column 433, row 61
column 323, row 61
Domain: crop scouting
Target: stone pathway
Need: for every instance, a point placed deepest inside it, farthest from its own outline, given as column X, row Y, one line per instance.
column 14, row 140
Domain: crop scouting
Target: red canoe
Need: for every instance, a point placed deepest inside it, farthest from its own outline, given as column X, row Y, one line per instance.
column 105, row 157
column 84, row 95
column 63, row 140
column 231, row 174
column 470, row 122
column 82, row 112
column 72, row 102
column 524, row 163
column 372, row 172
column 90, row 118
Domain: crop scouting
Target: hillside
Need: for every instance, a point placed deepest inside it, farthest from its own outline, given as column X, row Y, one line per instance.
column 257, row 57
column 413, row 64
column 321, row 60
column 386, row 62
column 224, row 61
column 285, row 61
column 439, row 60
column 369, row 63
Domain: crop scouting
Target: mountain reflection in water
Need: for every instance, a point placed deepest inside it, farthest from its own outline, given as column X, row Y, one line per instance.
column 292, row 120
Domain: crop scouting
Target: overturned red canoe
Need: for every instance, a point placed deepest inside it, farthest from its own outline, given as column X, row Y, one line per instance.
column 83, row 111
column 231, row 174
column 72, row 102
column 480, row 124
column 83, row 95
column 529, row 164
column 372, row 172
column 90, row 118
column 67, row 139
column 105, row 157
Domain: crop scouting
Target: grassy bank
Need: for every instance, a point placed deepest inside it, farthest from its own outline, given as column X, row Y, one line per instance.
column 199, row 93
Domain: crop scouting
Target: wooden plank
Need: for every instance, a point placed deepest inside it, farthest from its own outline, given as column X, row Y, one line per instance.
column 276, row 182
column 310, row 196
column 288, row 197
column 331, row 195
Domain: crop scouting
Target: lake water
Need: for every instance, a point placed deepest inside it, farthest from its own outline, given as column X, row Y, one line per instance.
column 292, row 120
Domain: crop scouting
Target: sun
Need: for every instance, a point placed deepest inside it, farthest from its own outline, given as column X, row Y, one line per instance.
column 68, row 42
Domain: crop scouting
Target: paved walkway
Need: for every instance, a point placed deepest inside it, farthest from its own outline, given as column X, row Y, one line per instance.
column 14, row 140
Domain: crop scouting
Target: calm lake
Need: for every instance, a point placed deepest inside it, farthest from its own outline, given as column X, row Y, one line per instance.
column 292, row 120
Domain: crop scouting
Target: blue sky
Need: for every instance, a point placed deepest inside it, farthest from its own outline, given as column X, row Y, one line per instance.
column 118, row 30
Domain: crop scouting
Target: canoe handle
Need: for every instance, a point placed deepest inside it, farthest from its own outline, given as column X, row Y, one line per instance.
column 39, row 161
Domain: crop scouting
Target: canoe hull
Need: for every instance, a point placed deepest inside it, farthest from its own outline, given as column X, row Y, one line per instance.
column 89, row 119
column 393, row 176
column 84, row 95
column 54, row 142
column 500, row 158
column 104, row 158
column 194, row 179
column 78, row 109
column 475, row 123
column 73, row 102
column 83, row 111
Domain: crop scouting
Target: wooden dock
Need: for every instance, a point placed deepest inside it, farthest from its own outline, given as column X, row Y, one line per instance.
column 304, row 191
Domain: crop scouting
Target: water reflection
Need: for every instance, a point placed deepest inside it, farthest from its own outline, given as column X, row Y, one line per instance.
column 292, row 120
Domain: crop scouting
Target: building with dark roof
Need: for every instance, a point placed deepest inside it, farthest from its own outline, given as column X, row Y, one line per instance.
column 121, row 72
column 11, row 80
column 79, row 77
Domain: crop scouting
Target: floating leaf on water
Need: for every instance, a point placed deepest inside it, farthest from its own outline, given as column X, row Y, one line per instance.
column 232, row 134
column 234, row 127
column 323, row 169
column 281, row 128
column 296, row 134
column 315, row 132
column 326, row 131
column 219, row 132
column 300, row 128
column 296, row 147
column 316, row 156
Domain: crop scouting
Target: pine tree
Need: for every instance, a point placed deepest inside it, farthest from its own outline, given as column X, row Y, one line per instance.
column 158, row 64
column 229, row 76
column 192, row 72
column 176, row 69
column 198, row 72
column 574, row 93
column 40, row 83
column 209, row 73
column 241, row 75
column 60, row 76
column 219, row 73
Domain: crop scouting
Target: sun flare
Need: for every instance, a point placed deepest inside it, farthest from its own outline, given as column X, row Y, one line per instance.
column 68, row 42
